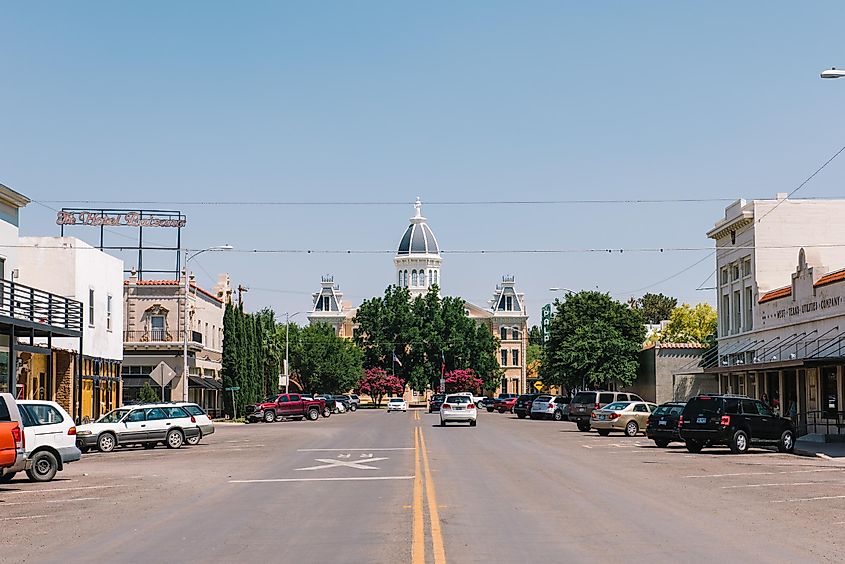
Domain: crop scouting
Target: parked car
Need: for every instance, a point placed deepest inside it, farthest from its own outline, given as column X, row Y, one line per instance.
column 12, row 441
column 735, row 421
column 548, row 407
column 503, row 404
column 290, row 406
column 49, row 439
column 662, row 425
column 356, row 400
column 486, row 403
column 203, row 420
column 628, row 416
column 522, row 406
column 396, row 404
column 331, row 404
column 458, row 408
column 582, row 405
column 143, row 424
column 435, row 402
column 347, row 401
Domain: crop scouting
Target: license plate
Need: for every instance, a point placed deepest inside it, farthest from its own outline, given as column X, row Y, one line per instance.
column 580, row 409
column 459, row 408
column 661, row 422
column 701, row 420
column 601, row 417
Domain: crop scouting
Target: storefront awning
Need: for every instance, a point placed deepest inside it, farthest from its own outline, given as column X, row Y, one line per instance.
column 201, row 382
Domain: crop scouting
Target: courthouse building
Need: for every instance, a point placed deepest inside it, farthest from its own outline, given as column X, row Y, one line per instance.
column 418, row 264
column 781, row 306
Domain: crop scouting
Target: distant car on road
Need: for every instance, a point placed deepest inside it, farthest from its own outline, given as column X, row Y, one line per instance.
column 735, row 421
column 347, row 401
column 435, row 402
column 503, row 405
column 458, row 408
column 582, row 405
column 549, row 407
column 662, row 425
column 486, row 403
column 355, row 399
column 396, row 404
column 522, row 406
column 287, row 406
column 628, row 416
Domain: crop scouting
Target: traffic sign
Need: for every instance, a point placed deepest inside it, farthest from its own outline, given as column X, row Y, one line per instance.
column 538, row 385
column 162, row 374
column 233, row 389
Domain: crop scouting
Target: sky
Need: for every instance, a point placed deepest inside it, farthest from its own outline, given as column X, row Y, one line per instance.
column 351, row 110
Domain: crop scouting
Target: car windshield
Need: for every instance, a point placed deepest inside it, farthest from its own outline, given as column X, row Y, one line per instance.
column 457, row 399
column 617, row 406
column 543, row 398
column 113, row 416
column 437, row 397
column 584, row 397
column 269, row 399
column 669, row 410
column 396, row 400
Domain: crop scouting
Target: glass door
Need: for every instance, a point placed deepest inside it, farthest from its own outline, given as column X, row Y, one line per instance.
column 830, row 391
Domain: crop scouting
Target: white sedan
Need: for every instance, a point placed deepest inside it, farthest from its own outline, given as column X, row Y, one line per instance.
column 396, row 404
column 458, row 408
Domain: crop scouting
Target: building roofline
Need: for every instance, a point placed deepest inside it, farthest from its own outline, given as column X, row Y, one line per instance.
column 172, row 283
column 13, row 198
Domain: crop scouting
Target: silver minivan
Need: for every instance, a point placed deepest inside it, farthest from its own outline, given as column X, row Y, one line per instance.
column 583, row 404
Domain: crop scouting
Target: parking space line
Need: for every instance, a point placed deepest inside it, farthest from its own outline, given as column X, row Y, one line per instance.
column 25, row 517
column 767, row 473
column 823, row 497
column 792, row 484
column 344, row 479
column 65, row 489
column 51, row 501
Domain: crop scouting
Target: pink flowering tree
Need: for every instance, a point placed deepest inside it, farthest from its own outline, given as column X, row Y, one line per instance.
column 377, row 383
column 463, row 381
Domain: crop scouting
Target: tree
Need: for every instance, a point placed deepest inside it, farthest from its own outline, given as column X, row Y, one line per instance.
column 593, row 340
column 463, row 381
column 377, row 382
column 324, row 362
column 535, row 336
column 656, row 307
column 148, row 394
column 688, row 324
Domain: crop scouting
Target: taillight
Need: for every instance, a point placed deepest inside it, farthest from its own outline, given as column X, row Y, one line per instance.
column 71, row 431
column 726, row 421
column 193, row 419
column 593, row 415
column 551, row 406
column 471, row 406
column 615, row 416
column 18, row 436
column 445, row 406
column 649, row 421
column 680, row 420
column 597, row 406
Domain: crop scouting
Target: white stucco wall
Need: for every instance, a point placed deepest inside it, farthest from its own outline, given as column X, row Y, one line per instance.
column 69, row 267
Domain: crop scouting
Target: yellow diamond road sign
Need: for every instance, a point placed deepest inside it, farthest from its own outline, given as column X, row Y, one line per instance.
column 538, row 385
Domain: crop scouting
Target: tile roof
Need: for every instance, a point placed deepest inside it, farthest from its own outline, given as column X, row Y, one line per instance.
column 775, row 294
column 172, row 283
column 830, row 278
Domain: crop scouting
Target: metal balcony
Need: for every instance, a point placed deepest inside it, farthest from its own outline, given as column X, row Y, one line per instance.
column 20, row 302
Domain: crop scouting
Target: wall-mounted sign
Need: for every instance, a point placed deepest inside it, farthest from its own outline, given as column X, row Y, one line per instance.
column 120, row 219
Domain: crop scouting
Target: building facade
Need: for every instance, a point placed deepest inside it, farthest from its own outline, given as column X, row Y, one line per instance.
column 418, row 265
column 154, row 331
column 781, row 306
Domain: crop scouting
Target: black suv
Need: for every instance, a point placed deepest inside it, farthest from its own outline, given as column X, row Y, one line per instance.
column 662, row 426
column 735, row 421
column 435, row 402
column 522, row 407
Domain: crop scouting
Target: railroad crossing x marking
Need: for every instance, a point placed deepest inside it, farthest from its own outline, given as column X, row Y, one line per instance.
column 332, row 463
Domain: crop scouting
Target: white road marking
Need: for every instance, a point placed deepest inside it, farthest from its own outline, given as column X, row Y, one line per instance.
column 350, row 449
column 586, row 446
column 767, row 473
column 38, row 517
column 65, row 489
column 332, row 463
column 808, row 498
column 51, row 501
column 347, row 479
column 792, row 484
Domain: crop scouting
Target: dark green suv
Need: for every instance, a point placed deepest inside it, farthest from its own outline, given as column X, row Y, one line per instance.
column 735, row 421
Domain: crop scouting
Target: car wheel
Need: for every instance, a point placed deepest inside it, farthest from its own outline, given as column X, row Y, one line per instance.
column 661, row 443
column 327, row 412
column 694, row 447
column 558, row 416
column 353, row 408
column 313, row 414
column 149, row 445
column 106, row 442
column 269, row 416
column 739, row 443
column 631, row 429
column 174, row 439
column 501, row 411
column 584, row 426
column 44, row 467
column 603, row 432
column 787, row 442
column 473, row 423
column 84, row 449
column 490, row 410
column 6, row 478
column 521, row 415
column 194, row 440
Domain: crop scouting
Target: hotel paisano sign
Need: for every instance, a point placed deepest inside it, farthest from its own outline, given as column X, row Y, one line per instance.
column 119, row 219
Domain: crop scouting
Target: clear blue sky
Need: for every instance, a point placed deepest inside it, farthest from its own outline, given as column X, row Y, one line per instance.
column 386, row 101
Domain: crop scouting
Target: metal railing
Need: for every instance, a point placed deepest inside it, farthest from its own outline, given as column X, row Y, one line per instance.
column 160, row 336
column 24, row 302
column 819, row 422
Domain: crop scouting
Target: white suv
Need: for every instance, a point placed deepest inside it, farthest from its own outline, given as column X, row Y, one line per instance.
column 50, row 439
column 142, row 424
column 206, row 425
column 458, row 407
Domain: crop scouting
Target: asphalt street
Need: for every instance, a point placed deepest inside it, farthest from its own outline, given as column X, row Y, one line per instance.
column 379, row 487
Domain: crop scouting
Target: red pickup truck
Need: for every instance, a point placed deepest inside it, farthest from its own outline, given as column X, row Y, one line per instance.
column 11, row 433
column 503, row 404
column 286, row 406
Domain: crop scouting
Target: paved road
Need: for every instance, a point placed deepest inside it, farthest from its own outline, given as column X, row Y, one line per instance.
column 378, row 487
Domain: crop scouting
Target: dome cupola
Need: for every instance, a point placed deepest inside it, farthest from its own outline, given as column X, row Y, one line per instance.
column 418, row 259
column 418, row 238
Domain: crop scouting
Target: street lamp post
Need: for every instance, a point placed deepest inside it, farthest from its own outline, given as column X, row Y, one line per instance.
column 185, row 316
column 287, row 347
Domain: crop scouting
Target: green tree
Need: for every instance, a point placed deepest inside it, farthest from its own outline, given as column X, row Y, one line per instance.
column 690, row 324
column 593, row 340
column 148, row 394
column 535, row 336
column 324, row 362
column 656, row 307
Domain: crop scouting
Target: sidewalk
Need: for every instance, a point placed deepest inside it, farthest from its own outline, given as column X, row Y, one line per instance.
column 830, row 451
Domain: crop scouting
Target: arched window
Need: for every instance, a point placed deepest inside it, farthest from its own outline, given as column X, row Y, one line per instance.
column 435, row 277
column 405, row 279
column 516, row 333
column 399, row 276
column 503, row 333
column 414, row 279
column 430, row 278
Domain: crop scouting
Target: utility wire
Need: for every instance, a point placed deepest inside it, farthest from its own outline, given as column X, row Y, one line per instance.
column 693, row 265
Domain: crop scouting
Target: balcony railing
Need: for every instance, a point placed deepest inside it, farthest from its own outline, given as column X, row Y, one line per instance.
column 820, row 422
column 161, row 336
column 31, row 304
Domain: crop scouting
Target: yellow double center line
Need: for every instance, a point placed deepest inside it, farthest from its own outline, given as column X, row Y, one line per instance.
column 423, row 480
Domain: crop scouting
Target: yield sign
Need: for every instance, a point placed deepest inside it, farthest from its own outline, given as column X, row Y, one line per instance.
column 332, row 463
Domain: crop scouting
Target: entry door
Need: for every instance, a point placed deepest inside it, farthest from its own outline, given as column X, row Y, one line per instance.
column 829, row 391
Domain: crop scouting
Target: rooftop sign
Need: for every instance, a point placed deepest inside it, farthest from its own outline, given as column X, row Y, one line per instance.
column 118, row 219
